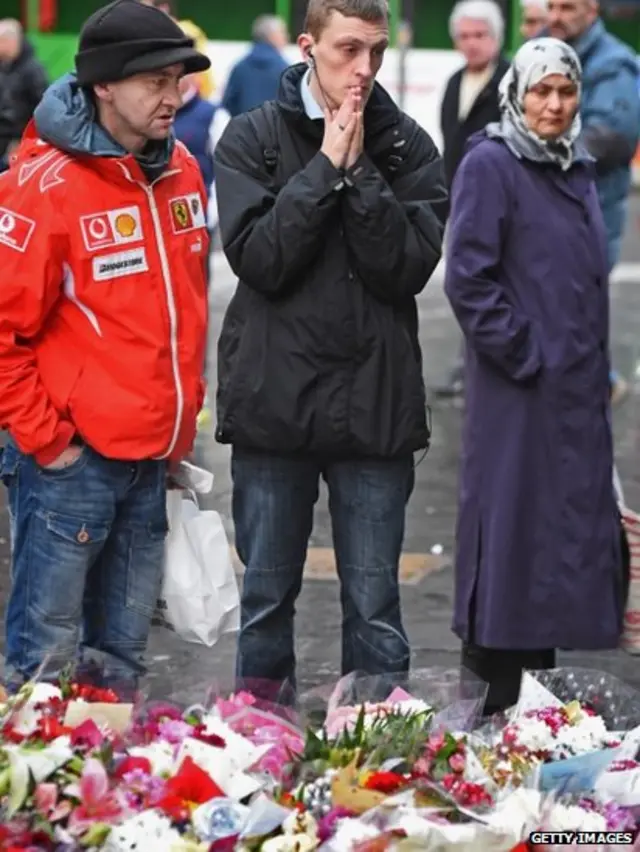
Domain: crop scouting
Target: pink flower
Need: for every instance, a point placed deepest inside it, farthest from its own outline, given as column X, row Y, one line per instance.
column 234, row 704
column 87, row 735
column 174, row 731
column 457, row 762
column 162, row 711
column 422, row 766
column 97, row 802
column 435, row 743
column 46, row 803
column 45, row 798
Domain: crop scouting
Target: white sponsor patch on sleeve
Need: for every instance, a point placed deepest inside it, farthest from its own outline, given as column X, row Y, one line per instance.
column 15, row 230
column 118, row 265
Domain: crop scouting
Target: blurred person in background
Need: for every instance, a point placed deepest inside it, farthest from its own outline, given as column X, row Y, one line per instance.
column 539, row 557
column 610, row 113
column 470, row 101
column 205, row 80
column 535, row 14
column 23, row 80
column 256, row 77
column 199, row 124
column 6, row 129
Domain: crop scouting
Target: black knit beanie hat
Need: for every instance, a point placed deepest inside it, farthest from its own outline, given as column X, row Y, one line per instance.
column 127, row 37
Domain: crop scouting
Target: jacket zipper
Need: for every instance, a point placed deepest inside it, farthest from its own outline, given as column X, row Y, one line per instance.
column 173, row 317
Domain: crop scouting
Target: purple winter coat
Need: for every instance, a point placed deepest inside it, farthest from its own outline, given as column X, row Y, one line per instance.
column 538, row 561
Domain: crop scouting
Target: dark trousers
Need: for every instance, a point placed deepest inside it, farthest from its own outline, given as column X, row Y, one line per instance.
column 273, row 500
column 502, row 671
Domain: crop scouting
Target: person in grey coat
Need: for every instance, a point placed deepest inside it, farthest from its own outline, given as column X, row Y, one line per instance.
column 539, row 560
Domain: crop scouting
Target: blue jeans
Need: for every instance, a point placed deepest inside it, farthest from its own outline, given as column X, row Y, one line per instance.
column 87, row 554
column 273, row 500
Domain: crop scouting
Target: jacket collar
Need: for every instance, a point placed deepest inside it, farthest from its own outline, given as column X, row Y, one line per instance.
column 311, row 106
column 584, row 44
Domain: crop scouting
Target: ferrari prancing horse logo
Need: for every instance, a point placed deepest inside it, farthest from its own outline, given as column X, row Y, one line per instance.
column 187, row 213
column 181, row 214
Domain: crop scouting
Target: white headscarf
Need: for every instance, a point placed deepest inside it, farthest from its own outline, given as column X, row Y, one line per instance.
column 537, row 59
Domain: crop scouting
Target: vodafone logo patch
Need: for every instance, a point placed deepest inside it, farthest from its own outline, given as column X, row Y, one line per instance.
column 15, row 230
column 111, row 228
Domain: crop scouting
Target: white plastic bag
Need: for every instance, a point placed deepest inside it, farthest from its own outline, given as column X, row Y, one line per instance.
column 200, row 599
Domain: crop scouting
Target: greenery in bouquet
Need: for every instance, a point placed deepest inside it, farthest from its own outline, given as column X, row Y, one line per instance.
column 351, row 762
column 371, row 762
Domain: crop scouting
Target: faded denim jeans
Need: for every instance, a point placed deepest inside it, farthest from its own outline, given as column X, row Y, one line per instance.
column 87, row 561
column 273, row 501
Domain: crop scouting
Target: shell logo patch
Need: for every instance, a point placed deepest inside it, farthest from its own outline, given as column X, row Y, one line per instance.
column 111, row 228
column 125, row 225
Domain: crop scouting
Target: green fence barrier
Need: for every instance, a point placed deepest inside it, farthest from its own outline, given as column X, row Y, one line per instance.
column 55, row 51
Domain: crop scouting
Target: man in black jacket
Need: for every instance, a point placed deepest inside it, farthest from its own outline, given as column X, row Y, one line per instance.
column 470, row 100
column 331, row 208
column 6, row 128
column 22, row 77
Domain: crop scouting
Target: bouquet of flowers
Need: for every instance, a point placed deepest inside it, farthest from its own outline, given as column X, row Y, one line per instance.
column 80, row 768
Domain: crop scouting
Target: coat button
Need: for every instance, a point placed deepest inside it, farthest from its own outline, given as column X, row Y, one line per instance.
column 83, row 536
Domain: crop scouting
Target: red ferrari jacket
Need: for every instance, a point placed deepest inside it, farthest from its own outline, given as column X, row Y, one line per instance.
column 103, row 305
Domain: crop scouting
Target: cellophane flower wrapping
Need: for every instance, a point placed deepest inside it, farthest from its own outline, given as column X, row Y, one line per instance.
column 401, row 824
column 573, row 731
column 451, row 699
column 265, row 713
column 617, row 703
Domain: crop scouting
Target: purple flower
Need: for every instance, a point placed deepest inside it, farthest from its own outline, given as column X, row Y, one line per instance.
column 329, row 823
column 174, row 730
column 143, row 790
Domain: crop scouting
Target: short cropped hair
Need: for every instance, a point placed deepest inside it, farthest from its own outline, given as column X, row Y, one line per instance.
column 264, row 26
column 478, row 10
column 319, row 12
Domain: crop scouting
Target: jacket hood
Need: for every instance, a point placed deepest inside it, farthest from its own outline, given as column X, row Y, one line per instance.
column 380, row 112
column 66, row 118
column 263, row 55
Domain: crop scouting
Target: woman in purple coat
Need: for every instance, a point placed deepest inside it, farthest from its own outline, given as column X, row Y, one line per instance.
column 539, row 562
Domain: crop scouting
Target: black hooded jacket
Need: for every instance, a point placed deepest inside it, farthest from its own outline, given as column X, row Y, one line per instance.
column 23, row 83
column 6, row 123
column 319, row 352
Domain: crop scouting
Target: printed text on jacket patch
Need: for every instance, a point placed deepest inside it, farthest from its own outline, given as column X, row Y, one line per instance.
column 110, row 266
column 15, row 230
column 111, row 228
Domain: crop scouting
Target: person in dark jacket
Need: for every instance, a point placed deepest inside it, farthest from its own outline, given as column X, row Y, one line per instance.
column 22, row 77
column 610, row 114
column 331, row 214
column 470, row 102
column 6, row 128
column 538, row 562
column 255, row 79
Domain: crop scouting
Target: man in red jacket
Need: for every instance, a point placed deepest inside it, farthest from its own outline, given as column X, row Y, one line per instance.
column 103, row 247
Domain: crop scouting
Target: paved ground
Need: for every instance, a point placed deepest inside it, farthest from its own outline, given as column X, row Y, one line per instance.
column 185, row 671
